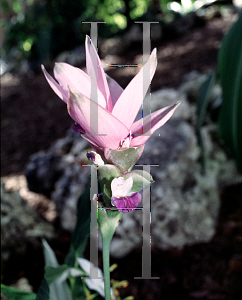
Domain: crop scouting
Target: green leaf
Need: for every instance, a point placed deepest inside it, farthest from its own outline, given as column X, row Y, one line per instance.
column 49, row 255
column 204, row 96
column 82, row 229
column 58, row 291
column 61, row 273
column 79, row 240
column 51, row 273
column 202, row 104
column 78, row 290
column 92, row 284
column 16, row 294
column 44, row 290
column 230, row 72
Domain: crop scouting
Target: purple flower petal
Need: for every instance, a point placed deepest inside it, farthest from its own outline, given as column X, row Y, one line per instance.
column 128, row 203
column 91, row 155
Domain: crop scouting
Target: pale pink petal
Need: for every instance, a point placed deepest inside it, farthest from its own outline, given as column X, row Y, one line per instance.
column 157, row 119
column 107, row 133
column 54, row 85
column 96, row 72
column 121, row 187
column 128, row 104
column 115, row 89
column 76, row 79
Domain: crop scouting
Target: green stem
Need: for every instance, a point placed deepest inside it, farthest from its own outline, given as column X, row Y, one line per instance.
column 106, row 240
column 108, row 221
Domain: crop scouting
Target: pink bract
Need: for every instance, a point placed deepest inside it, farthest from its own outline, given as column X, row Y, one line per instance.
column 117, row 108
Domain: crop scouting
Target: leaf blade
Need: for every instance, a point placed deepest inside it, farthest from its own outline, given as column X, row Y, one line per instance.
column 15, row 294
column 202, row 104
column 230, row 71
column 58, row 291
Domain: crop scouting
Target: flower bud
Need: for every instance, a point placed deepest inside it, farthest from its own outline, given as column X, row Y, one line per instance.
column 96, row 158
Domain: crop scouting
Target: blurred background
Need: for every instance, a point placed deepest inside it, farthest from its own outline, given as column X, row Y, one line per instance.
column 37, row 146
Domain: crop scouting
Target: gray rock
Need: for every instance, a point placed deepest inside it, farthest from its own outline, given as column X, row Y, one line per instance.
column 44, row 168
column 23, row 285
column 166, row 97
column 42, row 171
column 58, row 174
column 184, row 202
column 67, row 191
column 20, row 225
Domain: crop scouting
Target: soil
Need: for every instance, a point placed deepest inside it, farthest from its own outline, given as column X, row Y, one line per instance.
column 33, row 118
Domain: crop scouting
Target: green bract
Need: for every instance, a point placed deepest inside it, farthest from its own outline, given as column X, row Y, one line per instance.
column 141, row 179
column 108, row 221
column 124, row 159
column 106, row 174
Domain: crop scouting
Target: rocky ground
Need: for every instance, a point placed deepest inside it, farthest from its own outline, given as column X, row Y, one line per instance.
column 33, row 118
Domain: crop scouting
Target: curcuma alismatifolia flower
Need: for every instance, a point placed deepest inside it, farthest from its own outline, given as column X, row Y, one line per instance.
column 122, row 197
column 117, row 108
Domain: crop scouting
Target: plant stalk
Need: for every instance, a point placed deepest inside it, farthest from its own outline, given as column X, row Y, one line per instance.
column 108, row 221
column 106, row 240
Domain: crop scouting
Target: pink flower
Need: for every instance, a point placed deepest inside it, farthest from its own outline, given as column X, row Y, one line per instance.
column 117, row 108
